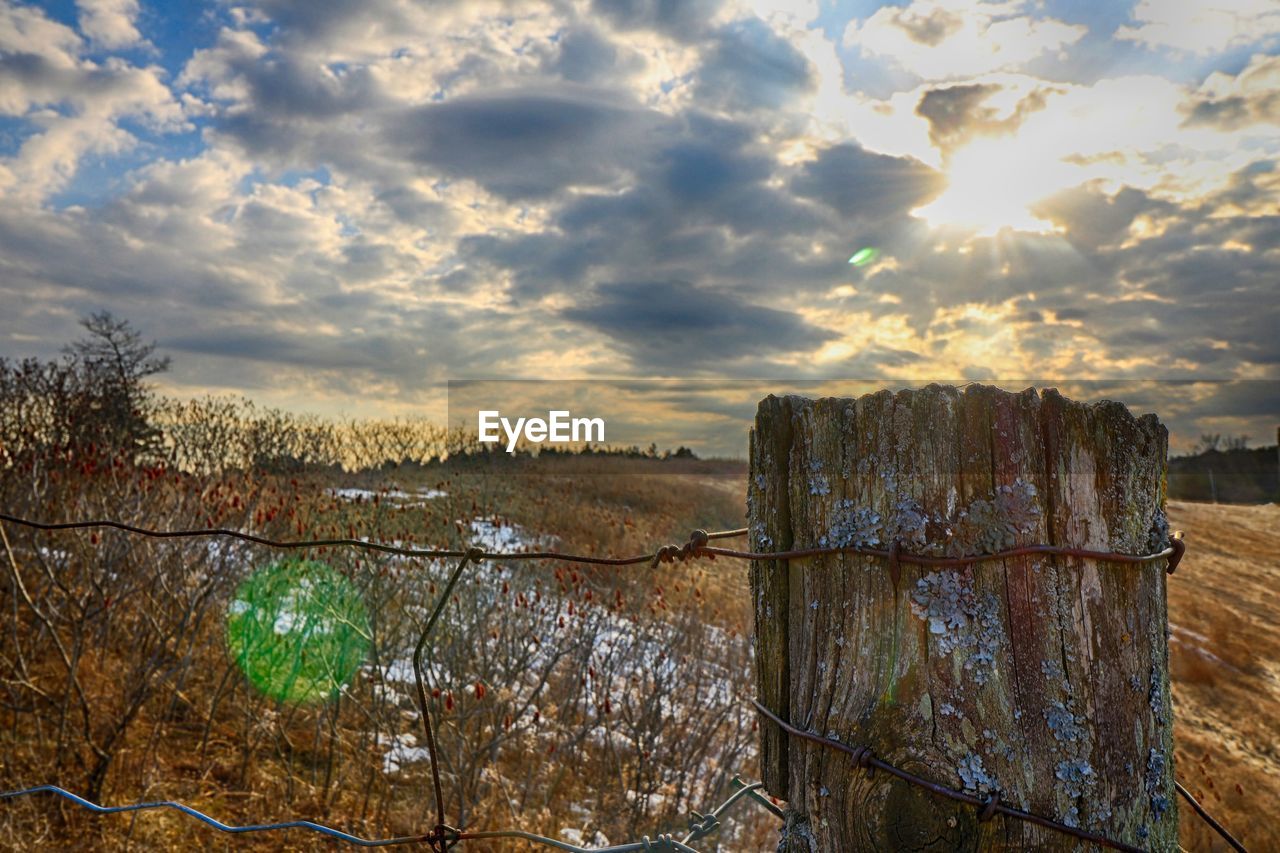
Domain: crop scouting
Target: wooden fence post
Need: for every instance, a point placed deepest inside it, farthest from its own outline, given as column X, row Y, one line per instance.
column 1042, row 678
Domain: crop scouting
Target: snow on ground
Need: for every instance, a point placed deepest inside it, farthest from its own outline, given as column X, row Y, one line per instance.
column 404, row 750
column 501, row 536
column 408, row 499
column 400, row 670
column 623, row 647
column 579, row 838
column 1194, row 640
column 55, row 555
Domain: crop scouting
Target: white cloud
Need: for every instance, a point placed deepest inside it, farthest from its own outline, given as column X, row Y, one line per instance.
column 1245, row 101
column 1123, row 131
column 75, row 103
column 396, row 191
column 28, row 38
column 1203, row 27
column 25, row 29
column 110, row 23
column 1260, row 76
column 947, row 39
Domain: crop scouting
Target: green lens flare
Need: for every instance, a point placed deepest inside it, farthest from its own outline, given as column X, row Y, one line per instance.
column 298, row 630
column 864, row 256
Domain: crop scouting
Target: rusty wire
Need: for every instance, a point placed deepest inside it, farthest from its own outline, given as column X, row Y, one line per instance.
column 987, row 808
column 442, row 831
column 443, row 836
column 1208, row 818
column 696, row 547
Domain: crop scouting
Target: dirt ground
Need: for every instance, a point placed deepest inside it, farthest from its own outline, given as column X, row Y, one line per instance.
column 1224, row 615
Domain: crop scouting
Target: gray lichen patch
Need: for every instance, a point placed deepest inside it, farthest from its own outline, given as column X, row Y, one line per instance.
column 958, row 619
column 974, row 775
column 818, row 484
column 1155, row 695
column 1053, row 673
column 1077, row 776
column 983, row 527
column 909, row 525
column 988, row 526
column 1155, row 784
column 852, row 526
column 944, row 600
column 1063, row 724
column 1158, row 537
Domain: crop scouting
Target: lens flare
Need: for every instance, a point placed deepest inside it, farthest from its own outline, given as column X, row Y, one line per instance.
column 298, row 630
column 864, row 256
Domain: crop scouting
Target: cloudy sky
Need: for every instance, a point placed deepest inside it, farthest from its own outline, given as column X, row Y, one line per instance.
column 335, row 207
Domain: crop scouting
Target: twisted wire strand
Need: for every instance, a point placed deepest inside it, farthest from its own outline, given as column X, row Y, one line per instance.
column 696, row 547
column 214, row 822
column 443, row 836
column 988, row 808
column 700, row 825
column 661, row 842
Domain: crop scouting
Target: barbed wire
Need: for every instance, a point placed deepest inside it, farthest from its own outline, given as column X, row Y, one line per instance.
column 442, row 836
column 214, row 822
column 988, row 808
column 700, row 825
column 697, row 546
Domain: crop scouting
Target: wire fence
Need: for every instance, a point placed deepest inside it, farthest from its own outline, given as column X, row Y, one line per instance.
column 442, row 836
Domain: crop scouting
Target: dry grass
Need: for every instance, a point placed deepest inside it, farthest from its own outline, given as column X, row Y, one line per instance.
column 1225, row 656
column 242, row 761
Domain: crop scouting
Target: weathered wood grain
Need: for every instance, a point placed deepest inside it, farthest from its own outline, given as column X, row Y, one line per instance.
column 1042, row 678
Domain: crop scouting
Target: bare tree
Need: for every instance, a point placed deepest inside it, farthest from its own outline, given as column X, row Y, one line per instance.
column 116, row 364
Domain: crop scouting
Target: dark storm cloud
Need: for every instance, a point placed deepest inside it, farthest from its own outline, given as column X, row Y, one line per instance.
column 712, row 173
column 585, row 55
column 524, row 143
column 678, row 325
column 1253, row 187
column 284, row 86
column 539, row 264
column 1257, row 101
column 412, row 207
column 862, row 184
column 931, row 29
column 952, row 110
column 1245, row 398
column 956, row 114
column 699, row 188
column 1092, row 220
column 1235, row 111
column 684, row 20
column 1179, row 301
column 341, row 24
column 660, row 211
column 749, row 66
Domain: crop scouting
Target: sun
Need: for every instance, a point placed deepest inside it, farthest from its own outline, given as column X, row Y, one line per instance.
column 992, row 185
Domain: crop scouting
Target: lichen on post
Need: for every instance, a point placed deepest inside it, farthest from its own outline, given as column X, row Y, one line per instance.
column 1044, row 679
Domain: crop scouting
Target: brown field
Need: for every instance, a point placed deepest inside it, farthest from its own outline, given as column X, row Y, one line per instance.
column 1224, row 650
column 1225, row 656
